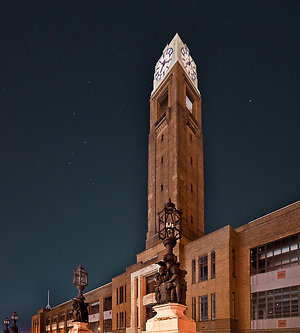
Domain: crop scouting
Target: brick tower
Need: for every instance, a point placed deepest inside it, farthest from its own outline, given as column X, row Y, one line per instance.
column 175, row 167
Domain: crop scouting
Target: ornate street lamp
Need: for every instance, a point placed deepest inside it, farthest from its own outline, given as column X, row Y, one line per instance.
column 169, row 221
column 6, row 323
column 170, row 285
column 14, row 317
column 80, row 280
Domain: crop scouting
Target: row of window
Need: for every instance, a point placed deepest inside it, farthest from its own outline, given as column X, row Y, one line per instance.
column 203, row 307
column 203, row 268
column 121, row 294
column 121, row 320
column 61, row 318
column 275, row 255
column 93, row 309
column 275, row 303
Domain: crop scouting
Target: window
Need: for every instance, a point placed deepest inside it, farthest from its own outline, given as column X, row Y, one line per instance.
column 275, row 303
column 191, row 160
column 233, row 262
column 213, row 265
column 161, row 187
column 162, row 160
column 203, row 268
column 121, row 324
column 70, row 315
column 193, row 271
column 94, row 308
column 150, row 284
column 203, row 302
column 191, row 187
column 194, row 308
column 54, row 320
column 117, row 295
column 48, row 322
column 162, row 138
column 121, row 320
column 62, row 317
column 121, row 294
column 213, row 306
column 162, row 106
column 107, row 303
column 189, row 103
column 275, row 255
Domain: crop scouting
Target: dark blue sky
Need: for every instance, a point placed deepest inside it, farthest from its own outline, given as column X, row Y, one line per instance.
column 76, row 78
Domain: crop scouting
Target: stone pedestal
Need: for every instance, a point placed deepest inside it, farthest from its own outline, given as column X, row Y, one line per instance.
column 170, row 318
column 79, row 327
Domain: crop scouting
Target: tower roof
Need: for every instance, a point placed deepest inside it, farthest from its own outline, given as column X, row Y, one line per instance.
column 175, row 51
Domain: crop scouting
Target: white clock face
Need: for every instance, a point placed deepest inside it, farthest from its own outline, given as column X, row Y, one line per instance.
column 188, row 63
column 163, row 64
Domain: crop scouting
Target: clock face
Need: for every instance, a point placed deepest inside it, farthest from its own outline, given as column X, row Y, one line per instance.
column 188, row 63
column 163, row 64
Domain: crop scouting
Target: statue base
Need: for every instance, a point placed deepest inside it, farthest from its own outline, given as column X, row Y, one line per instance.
column 79, row 327
column 170, row 318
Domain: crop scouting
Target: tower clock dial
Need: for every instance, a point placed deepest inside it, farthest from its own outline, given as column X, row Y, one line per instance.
column 188, row 63
column 163, row 64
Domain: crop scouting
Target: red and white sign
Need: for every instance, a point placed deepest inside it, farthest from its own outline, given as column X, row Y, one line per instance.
column 281, row 275
column 94, row 317
column 107, row 314
column 282, row 323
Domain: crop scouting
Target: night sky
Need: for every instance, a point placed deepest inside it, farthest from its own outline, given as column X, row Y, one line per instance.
column 75, row 82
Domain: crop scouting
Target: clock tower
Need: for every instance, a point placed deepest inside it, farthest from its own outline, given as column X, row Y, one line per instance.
column 175, row 167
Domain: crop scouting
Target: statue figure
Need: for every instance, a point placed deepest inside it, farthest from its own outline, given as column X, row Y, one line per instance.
column 80, row 312
column 170, row 285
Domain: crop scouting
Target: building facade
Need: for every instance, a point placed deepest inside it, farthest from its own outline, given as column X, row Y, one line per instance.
column 238, row 280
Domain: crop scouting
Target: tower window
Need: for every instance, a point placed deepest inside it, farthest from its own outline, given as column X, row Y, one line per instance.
column 162, row 187
column 191, row 187
column 162, row 160
column 189, row 103
column 162, row 138
column 162, row 105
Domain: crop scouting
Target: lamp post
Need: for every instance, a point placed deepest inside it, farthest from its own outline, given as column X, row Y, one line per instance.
column 80, row 280
column 14, row 317
column 6, row 323
column 170, row 285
